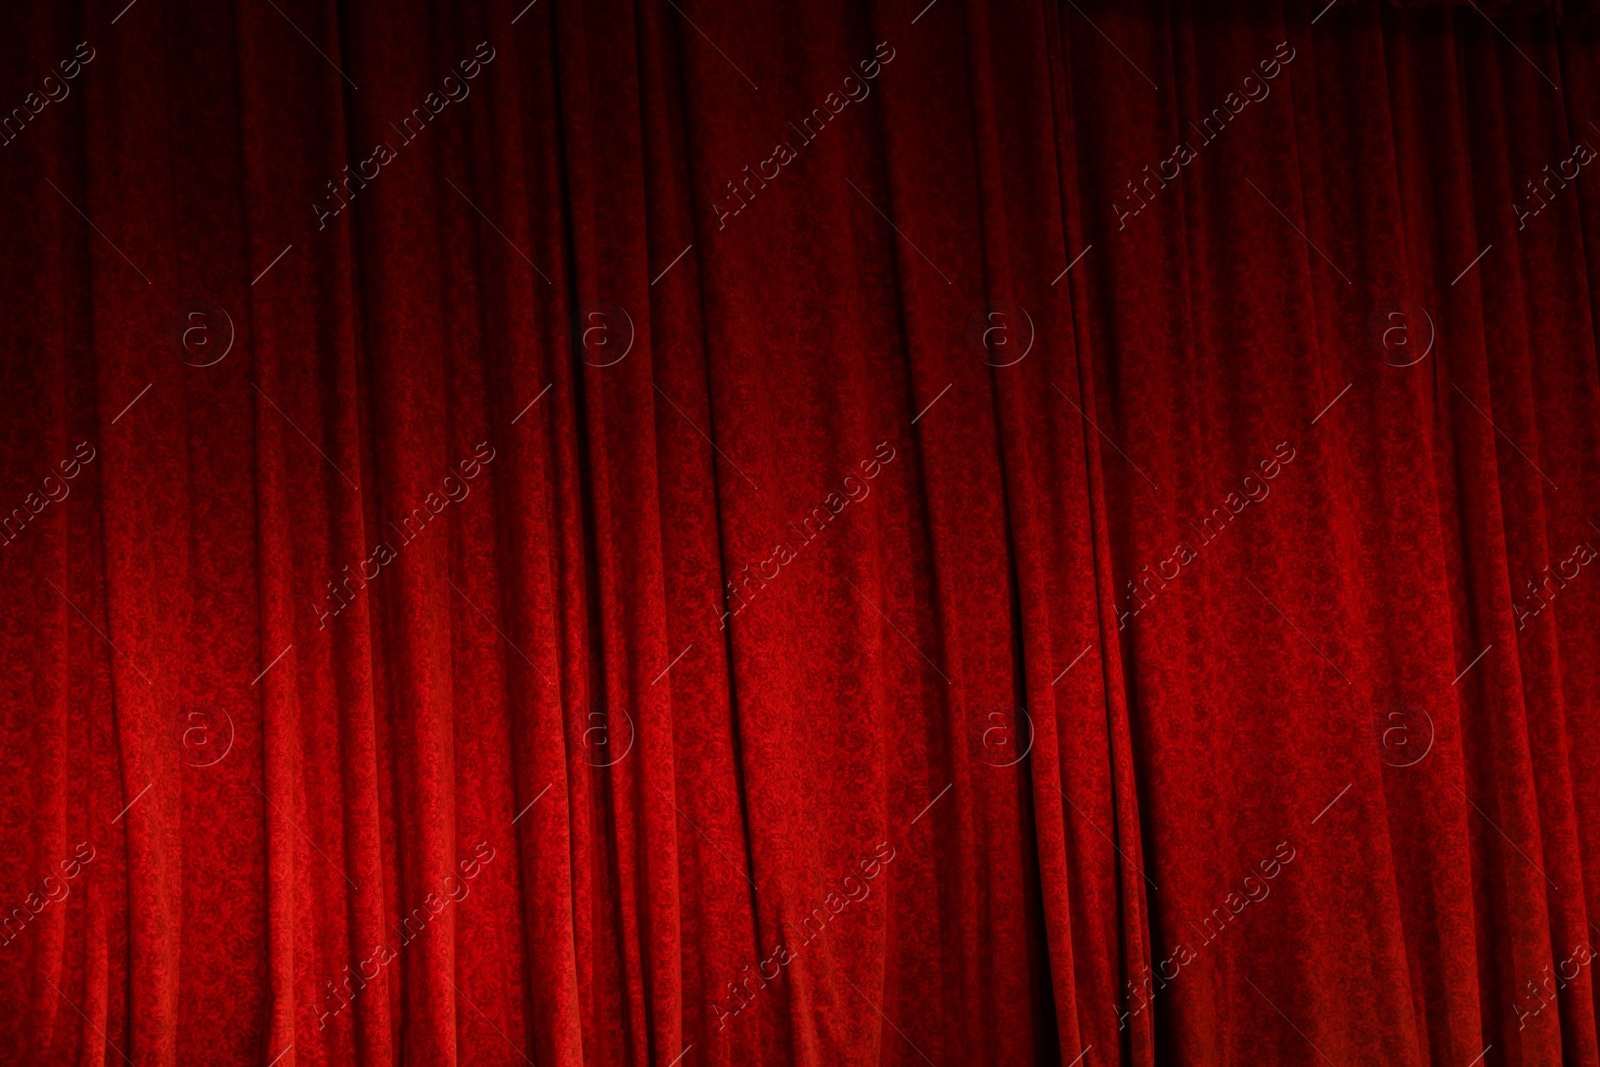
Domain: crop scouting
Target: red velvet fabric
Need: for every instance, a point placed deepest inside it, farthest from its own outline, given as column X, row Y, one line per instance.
column 1082, row 555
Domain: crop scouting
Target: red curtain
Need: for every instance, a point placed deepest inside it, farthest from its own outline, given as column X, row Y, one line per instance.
column 688, row 533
